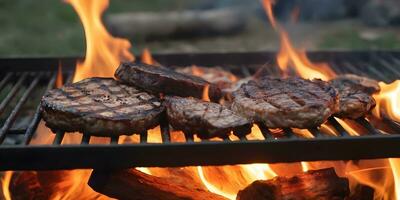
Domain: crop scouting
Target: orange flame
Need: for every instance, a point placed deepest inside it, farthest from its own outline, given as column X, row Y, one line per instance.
column 146, row 57
column 59, row 80
column 102, row 50
column 388, row 103
column 388, row 100
column 5, row 185
column 205, row 95
column 289, row 56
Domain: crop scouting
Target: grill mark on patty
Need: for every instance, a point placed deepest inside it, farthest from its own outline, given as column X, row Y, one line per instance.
column 159, row 79
column 100, row 106
column 206, row 119
column 354, row 98
column 286, row 103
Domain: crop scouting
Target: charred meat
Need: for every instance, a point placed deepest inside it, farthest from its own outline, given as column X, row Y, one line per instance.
column 286, row 102
column 368, row 85
column 100, row 107
column 158, row 79
column 355, row 98
column 206, row 119
column 216, row 75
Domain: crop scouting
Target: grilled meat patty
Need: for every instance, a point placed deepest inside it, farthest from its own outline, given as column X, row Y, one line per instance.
column 368, row 85
column 286, row 102
column 100, row 107
column 206, row 119
column 158, row 79
column 355, row 98
column 216, row 75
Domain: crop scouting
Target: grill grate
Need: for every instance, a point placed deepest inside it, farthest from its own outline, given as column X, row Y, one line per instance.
column 24, row 81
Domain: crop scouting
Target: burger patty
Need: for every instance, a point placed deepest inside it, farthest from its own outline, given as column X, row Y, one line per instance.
column 216, row 75
column 355, row 98
column 368, row 85
column 206, row 119
column 100, row 107
column 286, row 102
column 158, row 79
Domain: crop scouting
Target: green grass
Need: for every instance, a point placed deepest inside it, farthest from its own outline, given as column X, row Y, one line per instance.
column 351, row 39
column 52, row 28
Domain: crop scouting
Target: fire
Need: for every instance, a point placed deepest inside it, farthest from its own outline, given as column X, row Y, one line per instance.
column 388, row 101
column 103, row 55
column 388, row 104
column 289, row 56
column 205, row 95
column 147, row 58
column 5, row 183
column 103, row 51
column 59, row 80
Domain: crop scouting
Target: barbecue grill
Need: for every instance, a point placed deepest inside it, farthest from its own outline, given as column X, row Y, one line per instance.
column 24, row 81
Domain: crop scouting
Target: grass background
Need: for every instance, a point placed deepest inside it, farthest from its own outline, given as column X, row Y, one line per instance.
column 52, row 28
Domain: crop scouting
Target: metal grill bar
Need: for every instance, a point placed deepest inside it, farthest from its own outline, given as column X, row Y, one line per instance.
column 272, row 148
column 7, row 124
column 58, row 138
column 37, row 116
column 13, row 91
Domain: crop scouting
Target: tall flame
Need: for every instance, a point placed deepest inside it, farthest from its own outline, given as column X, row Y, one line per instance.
column 388, row 100
column 5, row 183
column 388, row 103
column 103, row 51
column 289, row 56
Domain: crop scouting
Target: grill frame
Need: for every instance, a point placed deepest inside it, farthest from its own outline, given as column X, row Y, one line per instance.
column 172, row 154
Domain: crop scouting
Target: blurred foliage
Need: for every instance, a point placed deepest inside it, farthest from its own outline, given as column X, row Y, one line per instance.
column 352, row 39
column 52, row 28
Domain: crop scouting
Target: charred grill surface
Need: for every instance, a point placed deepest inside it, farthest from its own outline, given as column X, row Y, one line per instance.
column 100, row 107
column 355, row 98
column 158, row 79
column 206, row 119
column 286, row 103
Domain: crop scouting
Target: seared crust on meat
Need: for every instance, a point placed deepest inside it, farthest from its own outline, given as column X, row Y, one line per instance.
column 355, row 98
column 368, row 85
column 286, row 102
column 100, row 107
column 206, row 119
column 216, row 75
column 158, row 79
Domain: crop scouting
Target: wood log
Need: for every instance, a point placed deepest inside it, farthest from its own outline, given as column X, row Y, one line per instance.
column 321, row 184
column 176, row 24
column 362, row 192
column 132, row 184
column 26, row 185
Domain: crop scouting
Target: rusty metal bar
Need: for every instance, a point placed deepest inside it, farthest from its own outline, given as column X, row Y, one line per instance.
column 12, row 92
column 339, row 128
column 37, row 116
column 11, row 118
column 371, row 129
column 58, row 138
column 5, row 80
column 85, row 139
column 164, row 126
column 143, row 137
column 114, row 139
